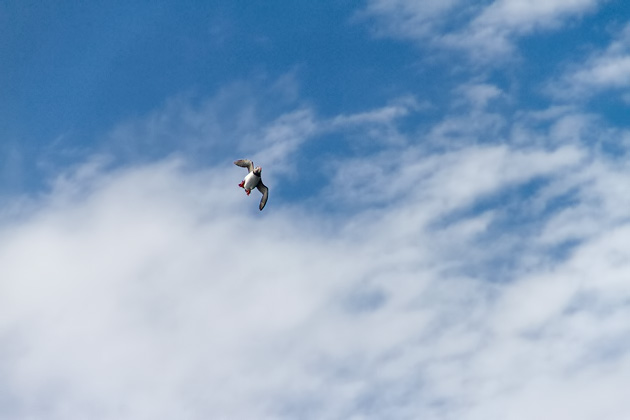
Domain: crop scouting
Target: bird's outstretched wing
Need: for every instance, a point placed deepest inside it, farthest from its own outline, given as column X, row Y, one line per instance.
column 245, row 163
column 265, row 192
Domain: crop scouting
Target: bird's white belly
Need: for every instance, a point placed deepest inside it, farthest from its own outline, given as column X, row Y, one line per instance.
column 251, row 181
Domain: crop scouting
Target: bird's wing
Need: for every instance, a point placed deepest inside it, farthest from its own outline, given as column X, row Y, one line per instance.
column 265, row 192
column 245, row 163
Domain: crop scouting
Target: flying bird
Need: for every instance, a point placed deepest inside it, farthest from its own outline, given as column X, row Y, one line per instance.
column 253, row 180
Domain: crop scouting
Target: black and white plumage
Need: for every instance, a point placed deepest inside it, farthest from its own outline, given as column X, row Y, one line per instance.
column 253, row 180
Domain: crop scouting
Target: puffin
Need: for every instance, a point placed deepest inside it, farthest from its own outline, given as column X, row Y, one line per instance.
column 252, row 180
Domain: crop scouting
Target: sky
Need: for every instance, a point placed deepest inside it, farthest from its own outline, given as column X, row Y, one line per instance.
column 446, row 237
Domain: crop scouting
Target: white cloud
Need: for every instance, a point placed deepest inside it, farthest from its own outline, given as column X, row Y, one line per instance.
column 158, row 290
column 410, row 19
column 480, row 94
column 241, row 114
column 450, row 180
column 522, row 16
column 385, row 115
column 601, row 71
column 486, row 31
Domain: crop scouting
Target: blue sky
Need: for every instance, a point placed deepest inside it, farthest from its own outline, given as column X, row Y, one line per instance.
column 446, row 235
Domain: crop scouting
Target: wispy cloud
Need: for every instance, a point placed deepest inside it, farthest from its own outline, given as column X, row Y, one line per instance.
column 486, row 31
column 205, row 127
column 385, row 115
column 605, row 70
column 155, row 289
column 456, row 250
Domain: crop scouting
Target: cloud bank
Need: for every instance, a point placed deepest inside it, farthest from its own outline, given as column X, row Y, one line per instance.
column 470, row 281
